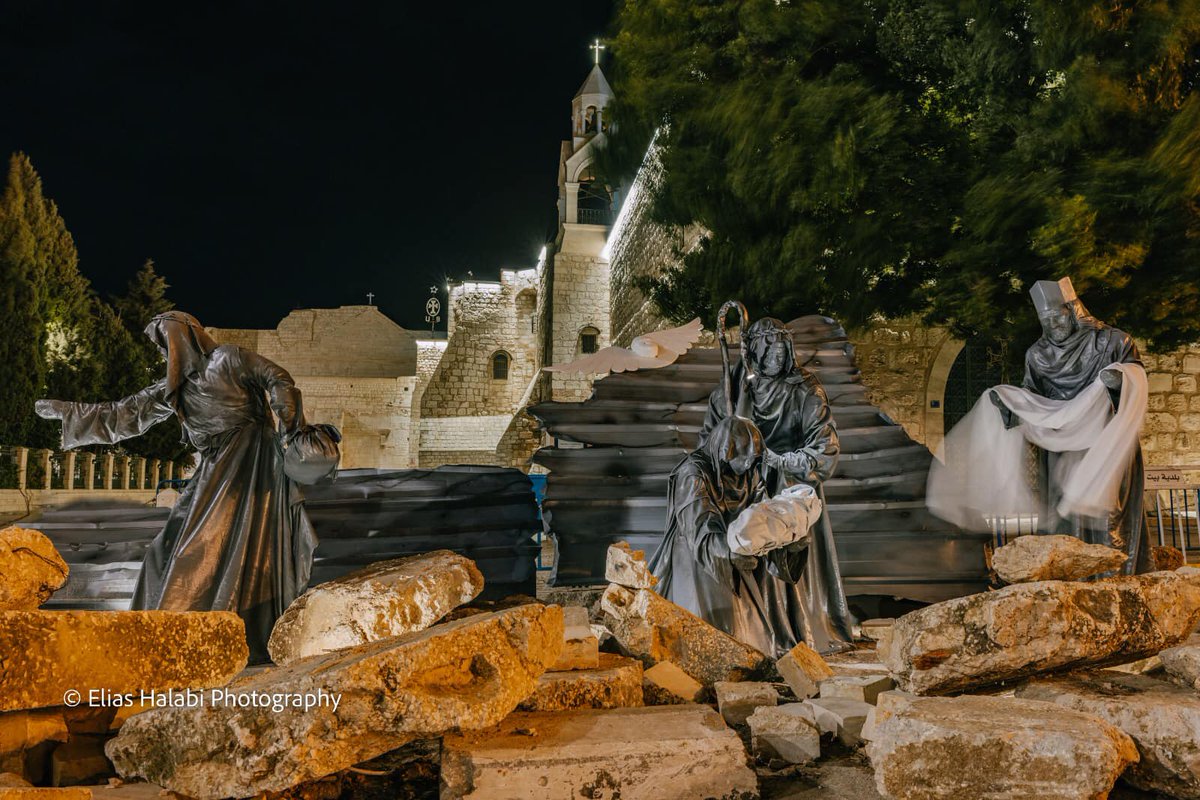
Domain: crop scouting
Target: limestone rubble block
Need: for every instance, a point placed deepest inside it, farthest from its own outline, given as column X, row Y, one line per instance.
column 885, row 705
column 468, row 674
column 79, row 762
column 803, row 669
column 666, row 684
column 654, row 629
column 788, row 732
column 876, row 629
column 118, row 651
column 864, row 688
column 21, row 730
column 841, row 717
column 625, row 566
column 1166, row 557
column 1162, row 719
column 10, row 780
column 581, row 648
column 30, row 569
column 615, row 683
column 388, row 598
column 737, row 701
column 41, row 793
column 1183, row 664
column 1039, row 627
column 658, row 753
column 1037, row 557
column 999, row 748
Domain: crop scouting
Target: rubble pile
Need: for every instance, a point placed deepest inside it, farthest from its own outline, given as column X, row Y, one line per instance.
column 999, row 695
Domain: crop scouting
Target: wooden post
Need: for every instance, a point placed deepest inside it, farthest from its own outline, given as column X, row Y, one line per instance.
column 22, row 467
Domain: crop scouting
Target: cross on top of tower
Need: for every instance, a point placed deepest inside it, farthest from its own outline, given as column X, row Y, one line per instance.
column 596, row 47
column 370, row 298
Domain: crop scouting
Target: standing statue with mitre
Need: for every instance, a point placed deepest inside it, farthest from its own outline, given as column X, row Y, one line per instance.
column 1081, row 406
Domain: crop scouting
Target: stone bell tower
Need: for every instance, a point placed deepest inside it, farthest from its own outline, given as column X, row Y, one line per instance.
column 578, row 277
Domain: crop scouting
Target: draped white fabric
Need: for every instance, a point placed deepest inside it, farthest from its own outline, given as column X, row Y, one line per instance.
column 980, row 469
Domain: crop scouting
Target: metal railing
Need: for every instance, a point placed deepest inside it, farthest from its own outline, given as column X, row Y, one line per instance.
column 596, row 216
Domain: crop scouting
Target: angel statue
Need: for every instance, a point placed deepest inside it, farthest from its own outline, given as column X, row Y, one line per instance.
column 749, row 547
column 648, row 351
column 238, row 538
column 1081, row 407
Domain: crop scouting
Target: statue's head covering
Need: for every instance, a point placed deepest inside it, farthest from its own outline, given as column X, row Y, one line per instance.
column 1050, row 296
column 758, row 338
column 187, row 346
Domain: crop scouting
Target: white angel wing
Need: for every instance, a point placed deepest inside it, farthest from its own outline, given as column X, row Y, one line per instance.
column 675, row 340
column 603, row 361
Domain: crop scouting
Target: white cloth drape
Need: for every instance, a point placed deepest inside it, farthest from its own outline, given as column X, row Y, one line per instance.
column 980, row 473
column 781, row 520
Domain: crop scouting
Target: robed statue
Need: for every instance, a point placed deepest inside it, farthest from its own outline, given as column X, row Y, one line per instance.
column 238, row 538
column 768, row 432
column 1081, row 407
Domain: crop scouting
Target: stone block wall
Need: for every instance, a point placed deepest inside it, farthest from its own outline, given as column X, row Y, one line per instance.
column 581, row 299
column 373, row 414
column 1172, row 434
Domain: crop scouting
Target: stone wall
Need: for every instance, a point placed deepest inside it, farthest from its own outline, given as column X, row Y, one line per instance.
column 1172, row 434
column 373, row 414
column 581, row 300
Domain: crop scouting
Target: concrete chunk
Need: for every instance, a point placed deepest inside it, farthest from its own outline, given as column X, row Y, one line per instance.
column 737, row 701
column 660, row 753
column 1162, row 719
column 1038, row 557
column 1032, row 628
column 615, row 683
column 1000, row 748
column 654, row 629
column 30, row 569
column 788, row 732
column 388, row 598
column 841, row 718
column 864, row 688
column 666, row 684
column 465, row 674
column 803, row 669
column 1183, row 664
column 625, row 566
column 581, row 648
column 115, row 651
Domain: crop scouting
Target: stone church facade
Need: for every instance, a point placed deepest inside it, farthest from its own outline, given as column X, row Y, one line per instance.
column 405, row 399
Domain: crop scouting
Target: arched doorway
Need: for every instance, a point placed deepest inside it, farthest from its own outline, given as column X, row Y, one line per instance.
column 978, row 367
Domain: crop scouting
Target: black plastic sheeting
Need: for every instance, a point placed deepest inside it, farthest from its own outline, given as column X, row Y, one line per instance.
column 487, row 514
column 614, row 452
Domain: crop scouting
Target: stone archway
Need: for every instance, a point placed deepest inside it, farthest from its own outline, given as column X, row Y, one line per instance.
column 935, row 391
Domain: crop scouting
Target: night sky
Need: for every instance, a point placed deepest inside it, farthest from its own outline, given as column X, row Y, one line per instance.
column 271, row 156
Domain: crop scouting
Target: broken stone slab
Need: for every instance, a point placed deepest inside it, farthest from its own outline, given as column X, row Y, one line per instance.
column 864, row 688
column 1038, row 557
column 1162, row 719
column 466, row 674
column 788, row 732
column 21, row 730
column 1041, row 627
column 654, row 629
column 30, row 569
column 115, row 651
column 1000, row 748
column 885, row 705
column 666, row 684
column 658, row 753
column 841, row 718
column 581, row 648
column 876, row 629
column 615, row 683
column 43, row 793
column 388, row 598
column 1183, row 664
column 803, row 669
column 737, row 701
column 80, row 761
column 1166, row 557
column 627, row 567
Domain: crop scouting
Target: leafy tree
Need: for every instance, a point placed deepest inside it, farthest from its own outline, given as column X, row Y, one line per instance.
column 922, row 156
column 21, row 362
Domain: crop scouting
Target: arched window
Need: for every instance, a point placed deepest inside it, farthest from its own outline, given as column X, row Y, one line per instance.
column 589, row 340
column 500, row 365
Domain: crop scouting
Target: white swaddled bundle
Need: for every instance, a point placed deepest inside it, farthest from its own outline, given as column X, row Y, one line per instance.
column 782, row 520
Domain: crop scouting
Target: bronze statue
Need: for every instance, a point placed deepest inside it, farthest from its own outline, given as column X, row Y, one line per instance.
column 238, row 538
column 1074, row 352
column 793, row 593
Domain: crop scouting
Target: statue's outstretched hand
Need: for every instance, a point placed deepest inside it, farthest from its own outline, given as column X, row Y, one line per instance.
column 1006, row 414
column 49, row 409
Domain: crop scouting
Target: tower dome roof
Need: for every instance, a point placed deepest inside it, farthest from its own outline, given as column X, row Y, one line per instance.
column 595, row 83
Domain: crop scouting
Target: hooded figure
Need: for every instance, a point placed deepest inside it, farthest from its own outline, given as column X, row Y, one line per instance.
column 1071, row 355
column 238, row 538
column 793, row 594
